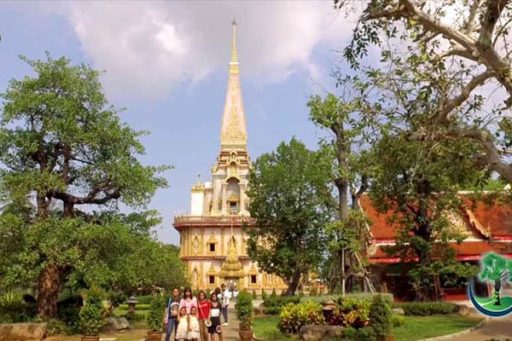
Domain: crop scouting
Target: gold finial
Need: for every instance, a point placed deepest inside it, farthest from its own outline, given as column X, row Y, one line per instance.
column 234, row 53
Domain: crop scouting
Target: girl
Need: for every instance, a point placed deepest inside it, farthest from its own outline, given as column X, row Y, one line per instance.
column 215, row 328
column 181, row 333
column 188, row 301
column 203, row 309
column 193, row 325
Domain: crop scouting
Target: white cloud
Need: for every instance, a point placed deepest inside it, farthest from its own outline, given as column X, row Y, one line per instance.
column 147, row 48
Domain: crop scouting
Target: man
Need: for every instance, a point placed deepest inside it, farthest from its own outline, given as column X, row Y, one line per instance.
column 226, row 296
column 171, row 314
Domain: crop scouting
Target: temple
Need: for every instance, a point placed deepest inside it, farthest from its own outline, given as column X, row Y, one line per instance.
column 484, row 224
column 213, row 244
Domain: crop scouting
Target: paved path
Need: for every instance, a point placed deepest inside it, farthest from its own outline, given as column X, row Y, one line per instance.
column 230, row 332
column 495, row 329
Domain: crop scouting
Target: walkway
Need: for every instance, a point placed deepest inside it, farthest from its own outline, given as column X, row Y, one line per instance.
column 230, row 332
column 495, row 329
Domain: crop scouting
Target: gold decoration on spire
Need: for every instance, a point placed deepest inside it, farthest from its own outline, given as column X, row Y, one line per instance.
column 232, row 266
column 233, row 131
column 234, row 52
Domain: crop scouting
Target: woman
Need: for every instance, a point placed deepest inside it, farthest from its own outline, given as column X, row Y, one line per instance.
column 203, row 308
column 188, row 301
column 215, row 328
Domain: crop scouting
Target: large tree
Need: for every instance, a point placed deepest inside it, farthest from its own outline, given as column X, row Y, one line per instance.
column 345, row 119
column 63, row 144
column 289, row 198
column 471, row 38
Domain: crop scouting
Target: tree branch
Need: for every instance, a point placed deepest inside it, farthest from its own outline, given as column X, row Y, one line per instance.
column 476, row 81
column 489, row 19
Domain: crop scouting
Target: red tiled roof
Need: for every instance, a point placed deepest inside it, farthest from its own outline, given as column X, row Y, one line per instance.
column 468, row 250
column 497, row 217
column 483, row 220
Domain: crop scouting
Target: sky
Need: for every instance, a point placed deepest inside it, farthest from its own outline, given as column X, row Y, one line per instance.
column 166, row 63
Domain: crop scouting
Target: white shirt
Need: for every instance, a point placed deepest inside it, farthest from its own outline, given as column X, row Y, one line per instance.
column 226, row 297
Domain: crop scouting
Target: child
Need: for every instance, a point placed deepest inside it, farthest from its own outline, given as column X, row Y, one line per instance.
column 181, row 333
column 193, row 325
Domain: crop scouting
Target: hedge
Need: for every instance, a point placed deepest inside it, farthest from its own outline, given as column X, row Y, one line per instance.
column 427, row 308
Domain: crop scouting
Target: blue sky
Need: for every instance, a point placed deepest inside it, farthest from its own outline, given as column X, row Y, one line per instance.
column 166, row 63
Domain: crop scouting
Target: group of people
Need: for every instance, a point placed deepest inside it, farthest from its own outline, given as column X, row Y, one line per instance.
column 197, row 318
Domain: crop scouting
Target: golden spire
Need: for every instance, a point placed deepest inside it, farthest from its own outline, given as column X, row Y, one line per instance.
column 234, row 53
column 233, row 132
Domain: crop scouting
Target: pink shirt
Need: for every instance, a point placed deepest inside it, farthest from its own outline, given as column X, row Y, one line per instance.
column 188, row 303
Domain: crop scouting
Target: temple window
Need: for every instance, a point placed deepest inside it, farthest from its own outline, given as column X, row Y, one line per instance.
column 211, row 279
column 253, row 279
column 212, row 247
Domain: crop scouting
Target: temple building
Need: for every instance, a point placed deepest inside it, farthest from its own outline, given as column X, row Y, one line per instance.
column 485, row 224
column 213, row 244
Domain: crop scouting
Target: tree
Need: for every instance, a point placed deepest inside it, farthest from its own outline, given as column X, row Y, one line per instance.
column 471, row 38
column 289, row 198
column 344, row 118
column 62, row 143
column 494, row 270
column 419, row 182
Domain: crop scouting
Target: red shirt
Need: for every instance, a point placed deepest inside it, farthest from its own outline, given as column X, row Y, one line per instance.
column 203, row 309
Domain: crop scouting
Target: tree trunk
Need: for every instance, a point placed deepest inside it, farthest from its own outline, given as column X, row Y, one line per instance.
column 497, row 287
column 294, row 283
column 48, row 288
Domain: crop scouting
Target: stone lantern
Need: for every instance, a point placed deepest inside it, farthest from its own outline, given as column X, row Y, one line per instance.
column 132, row 302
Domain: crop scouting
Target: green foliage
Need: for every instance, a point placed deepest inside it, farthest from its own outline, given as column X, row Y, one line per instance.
column 68, row 312
column 427, row 308
column 91, row 314
column 63, row 145
column 380, row 316
column 14, row 308
column 359, row 334
column 156, row 314
column 294, row 316
column 263, row 294
column 397, row 321
column 351, row 312
column 254, row 295
column 244, row 310
column 273, row 303
column 57, row 327
column 289, row 191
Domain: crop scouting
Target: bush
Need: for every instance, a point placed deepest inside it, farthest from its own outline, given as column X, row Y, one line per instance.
column 294, row 316
column 380, row 316
column 397, row 320
column 56, row 327
column 427, row 308
column 274, row 303
column 263, row 295
column 156, row 314
column 147, row 299
column 361, row 334
column 254, row 296
column 91, row 314
column 244, row 310
column 16, row 308
column 68, row 311
column 351, row 312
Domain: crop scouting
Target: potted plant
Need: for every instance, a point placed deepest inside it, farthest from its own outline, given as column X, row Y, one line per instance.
column 380, row 319
column 244, row 315
column 91, row 316
column 155, row 319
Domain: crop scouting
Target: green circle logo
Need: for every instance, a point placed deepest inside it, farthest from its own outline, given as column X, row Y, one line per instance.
column 496, row 270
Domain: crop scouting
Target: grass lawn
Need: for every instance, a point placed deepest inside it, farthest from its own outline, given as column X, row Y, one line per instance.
column 415, row 327
column 265, row 328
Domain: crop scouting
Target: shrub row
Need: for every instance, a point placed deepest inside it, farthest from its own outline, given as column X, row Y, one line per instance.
column 427, row 308
column 294, row 316
column 273, row 303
